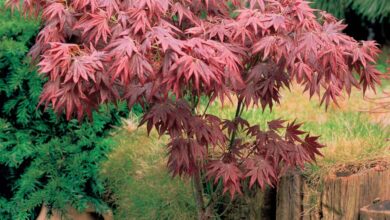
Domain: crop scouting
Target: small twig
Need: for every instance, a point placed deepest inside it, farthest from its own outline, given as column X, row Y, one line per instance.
column 207, row 106
column 238, row 113
column 226, row 209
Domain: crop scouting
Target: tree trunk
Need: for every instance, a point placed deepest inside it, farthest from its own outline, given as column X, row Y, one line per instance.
column 202, row 215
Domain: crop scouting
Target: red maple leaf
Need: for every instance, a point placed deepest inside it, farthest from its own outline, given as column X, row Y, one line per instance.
column 95, row 26
column 260, row 171
column 229, row 173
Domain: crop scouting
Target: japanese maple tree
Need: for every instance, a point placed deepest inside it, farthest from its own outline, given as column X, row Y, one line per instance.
column 168, row 54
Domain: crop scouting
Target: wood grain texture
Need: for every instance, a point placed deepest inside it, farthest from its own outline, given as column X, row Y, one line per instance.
column 341, row 197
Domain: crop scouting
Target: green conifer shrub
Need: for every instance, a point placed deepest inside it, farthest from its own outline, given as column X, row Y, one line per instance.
column 44, row 159
column 372, row 10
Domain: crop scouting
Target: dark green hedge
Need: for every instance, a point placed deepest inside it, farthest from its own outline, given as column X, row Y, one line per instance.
column 372, row 10
column 43, row 158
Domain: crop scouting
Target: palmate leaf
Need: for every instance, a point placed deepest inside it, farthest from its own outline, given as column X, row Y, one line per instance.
column 156, row 7
column 84, row 67
column 111, row 6
column 184, row 155
column 276, row 21
column 276, row 124
column 312, row 146
column 207, row 131
column 188, row 67
column 293, row 132
column 263, row 84
column 129, row 61
column 57, row 59
column 140, row 94
column 229, row 173
column 165, row 38
column 95, row 26
column 55, row 11
column 261, row 172
column 257, row 3
column 85, row 4
column 172, row 117
column 138, row 21
column 124, row 46
column 183, row 12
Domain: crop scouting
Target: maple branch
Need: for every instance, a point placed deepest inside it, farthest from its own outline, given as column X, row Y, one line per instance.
column 207, row 106
column 197, row 179
column 238, row 114
column 195, row 102
column 199, row 195
column 226, row 209
column 247, row 156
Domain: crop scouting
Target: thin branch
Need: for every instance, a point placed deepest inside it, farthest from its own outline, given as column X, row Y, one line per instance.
column 226, row 209
column 238, row 114
column 207, row 106
column 199, row 195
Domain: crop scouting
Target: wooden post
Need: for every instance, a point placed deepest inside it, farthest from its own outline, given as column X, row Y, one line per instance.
column 341, row 197
column 290, row 197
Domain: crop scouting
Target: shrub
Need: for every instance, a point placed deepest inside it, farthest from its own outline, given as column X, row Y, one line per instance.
column 44, row 159
column 168, row 55
column 372, row 10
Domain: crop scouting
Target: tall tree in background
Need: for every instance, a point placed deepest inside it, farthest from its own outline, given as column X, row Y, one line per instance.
column 168, row 54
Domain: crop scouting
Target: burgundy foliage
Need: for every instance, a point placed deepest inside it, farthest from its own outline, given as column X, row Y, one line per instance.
column 147, row 51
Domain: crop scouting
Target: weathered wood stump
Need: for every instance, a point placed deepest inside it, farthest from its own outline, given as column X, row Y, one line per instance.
column 295, row 200
column 342, row 195
column 289, row 196
column 377, row 211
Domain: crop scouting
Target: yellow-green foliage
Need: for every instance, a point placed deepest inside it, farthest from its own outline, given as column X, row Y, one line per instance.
column 140, row 184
